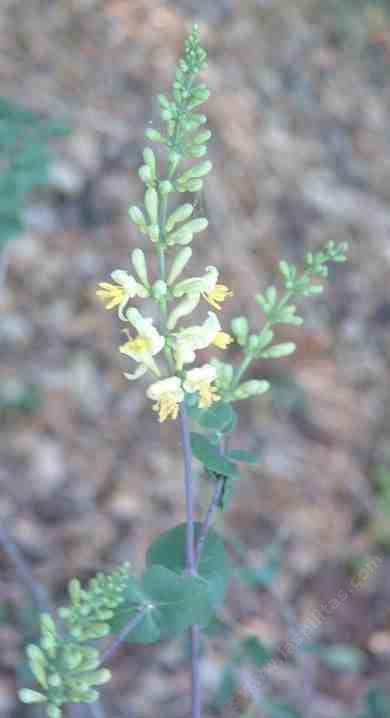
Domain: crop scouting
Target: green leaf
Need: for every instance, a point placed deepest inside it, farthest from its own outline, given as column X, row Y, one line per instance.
column 240, row 455
column 174, row 602
column 219, row 417
column 280, row 710
column 214, row 566
column 209, row 455
column 226, row 689
column 255, row 651
column 343, row 657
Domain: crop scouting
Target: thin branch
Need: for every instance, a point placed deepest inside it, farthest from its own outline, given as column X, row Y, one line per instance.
column 213, row 506
column 208, row 520
column 190, row 557
column 38, row 593
column 118, row 640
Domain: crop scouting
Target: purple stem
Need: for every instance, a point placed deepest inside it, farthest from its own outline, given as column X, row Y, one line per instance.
column 130, row 625
column 213, row 507
column 208, row 520
column 190, row 556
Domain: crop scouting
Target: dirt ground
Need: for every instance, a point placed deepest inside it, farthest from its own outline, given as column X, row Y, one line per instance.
column 300, row 118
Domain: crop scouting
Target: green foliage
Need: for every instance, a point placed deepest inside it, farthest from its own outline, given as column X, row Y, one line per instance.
column 219, row 417
column 210, row 456
column 25, row 158
column 248, row 650
column 18, row 397
column 214, row 566
column 173, row 602
column 341, row 657
column 269, row 568
column 377, row 704
column 380, row 524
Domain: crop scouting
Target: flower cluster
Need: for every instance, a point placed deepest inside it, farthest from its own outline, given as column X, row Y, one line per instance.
column 165, row 352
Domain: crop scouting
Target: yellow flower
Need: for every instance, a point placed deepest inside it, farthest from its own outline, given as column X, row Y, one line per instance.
column 125, row 288
column 207, row 286
column 201, row 380
column 222, row 340
column 192, row 339
column 167, row 394
column 217, row 294
column 143, row 347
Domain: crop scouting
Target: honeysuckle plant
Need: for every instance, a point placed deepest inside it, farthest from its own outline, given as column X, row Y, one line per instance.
column 180, row 361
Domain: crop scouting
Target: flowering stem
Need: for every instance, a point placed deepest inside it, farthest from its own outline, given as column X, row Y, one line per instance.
column 190, row 556
column 247, row 361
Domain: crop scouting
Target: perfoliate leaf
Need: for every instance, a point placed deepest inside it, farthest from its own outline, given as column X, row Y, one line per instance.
column 214, row 566
column 173, row 602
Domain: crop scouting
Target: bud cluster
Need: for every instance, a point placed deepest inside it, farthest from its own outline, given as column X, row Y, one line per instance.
column 66, row 671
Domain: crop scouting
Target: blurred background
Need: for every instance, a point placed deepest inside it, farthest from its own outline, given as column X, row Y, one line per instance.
column 300, row 117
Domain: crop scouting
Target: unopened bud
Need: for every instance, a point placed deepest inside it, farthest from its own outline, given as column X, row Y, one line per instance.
column 251, row 388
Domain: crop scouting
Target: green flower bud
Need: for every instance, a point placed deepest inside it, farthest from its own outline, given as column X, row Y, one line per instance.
column 150, row 160
column 279, row 350
column 159, row 290
column 28, row 696
column 251, row 388
column 185, row 233
column 183, row 309
column 165, row 187
column 146, row 175
column 154, row 232
column 195, row 172
column 97, row 678
column 47, row 625
column 240, row 329
column 53, row 711
column 151, row 204
column 95, row 630
column 49, row 644
column 139, row 264
column 202, row 137
column 72, row 656
column 55, row 680
column 179, row 215
column 194, row 185
column 74, row 589
column 198, row 151
column 257, row 342
column 38, row 664
column 155, row 136
column 224, row 373
column 90, row 696
column 137, row 216
column 254, row 343
column 179, row 263
column 174, row 157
